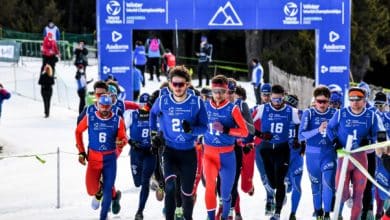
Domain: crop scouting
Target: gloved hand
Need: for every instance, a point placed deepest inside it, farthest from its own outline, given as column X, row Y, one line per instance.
column 296, row 145
column 134, row 144
column 364, row 142
column 381, row 136
column 218, row 126
column 82, row 158
column 186, row 126
column 263, row 135
column 247, row 148
column 303, row 148
column 157, row 141
column 386, row 161
column 336, row 144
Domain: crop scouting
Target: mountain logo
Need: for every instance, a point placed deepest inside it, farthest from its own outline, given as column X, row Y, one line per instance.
column 113, row 8
column 116, row 36
column 333, row 36
column 225, row 16
column 290, row 9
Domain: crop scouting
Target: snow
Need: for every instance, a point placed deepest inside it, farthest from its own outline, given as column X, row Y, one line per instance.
column 29, row 188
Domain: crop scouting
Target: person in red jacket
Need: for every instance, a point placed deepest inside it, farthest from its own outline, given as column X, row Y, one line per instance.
column 169, row 61
column 50, row 52
column 106, row 138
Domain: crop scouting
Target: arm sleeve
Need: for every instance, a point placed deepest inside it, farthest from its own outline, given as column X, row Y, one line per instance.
column 81, row 127
column 241, row 130
column 303, row 132
column 121, row 137
column 331, row 129
column 248, row 119
column 201, row 122
column 153, row 115
column 131, row 105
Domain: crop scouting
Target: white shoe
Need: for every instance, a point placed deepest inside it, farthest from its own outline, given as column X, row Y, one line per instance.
column 95, row 204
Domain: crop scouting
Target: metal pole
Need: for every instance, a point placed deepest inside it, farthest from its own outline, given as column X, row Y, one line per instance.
column 343, row 171
column 58, row 178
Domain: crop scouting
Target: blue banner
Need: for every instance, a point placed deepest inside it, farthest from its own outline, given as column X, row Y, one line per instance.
column 331, row 19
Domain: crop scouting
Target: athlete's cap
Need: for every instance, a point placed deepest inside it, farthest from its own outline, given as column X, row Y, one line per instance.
column 266, row 88
column 380, row 98
column 203, row 38
column 105, row 100
column 144, row 98
column 232, row 86
column 112, row 90
column 335, row 97
column 356, row 93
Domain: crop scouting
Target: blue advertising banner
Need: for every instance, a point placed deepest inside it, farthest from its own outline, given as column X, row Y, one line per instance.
column 115, row 57
column 330, row 19
column 303, row 14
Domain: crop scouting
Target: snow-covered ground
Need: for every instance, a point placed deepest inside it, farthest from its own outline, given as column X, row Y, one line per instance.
column 28, row 188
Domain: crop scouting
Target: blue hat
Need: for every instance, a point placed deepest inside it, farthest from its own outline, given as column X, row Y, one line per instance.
column 112, row 89
column 231, row 86
column 203, row 38
column 144, row 98
column 335, row 88
column 336, row 97
column 366, row 87
column 105, row 100
column 265, row 88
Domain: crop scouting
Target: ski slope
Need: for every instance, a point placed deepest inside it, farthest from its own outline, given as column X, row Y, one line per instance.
column 28, row 187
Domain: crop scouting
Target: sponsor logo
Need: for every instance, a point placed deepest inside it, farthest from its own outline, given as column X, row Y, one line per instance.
column 291, row 10
column 106, row 69
column 226, row 16
column 113, row 8
column 333, row 69
column 116, row 36
column 333, row 36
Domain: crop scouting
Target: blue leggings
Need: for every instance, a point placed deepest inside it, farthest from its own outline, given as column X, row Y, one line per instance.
column 294, row 177
column 142, row 165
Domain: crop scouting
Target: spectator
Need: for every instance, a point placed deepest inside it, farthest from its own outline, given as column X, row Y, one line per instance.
column 169, row 61
column 257, row 78
column 50, row 52
column 46, row 80
column 154, row 50
column 140, row 59
column 4, row 94
column 81, row 53
column 205, row 53
column 137, row 80
column 81, row 86
column 53, row 29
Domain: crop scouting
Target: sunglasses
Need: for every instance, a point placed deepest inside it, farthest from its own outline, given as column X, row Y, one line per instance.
column 322, row 101
column 277, row 100
column 219, row 91
column 178, row 84
column 356, row 99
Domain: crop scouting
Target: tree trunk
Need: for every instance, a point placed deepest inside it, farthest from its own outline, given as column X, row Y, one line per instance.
column 360, row 69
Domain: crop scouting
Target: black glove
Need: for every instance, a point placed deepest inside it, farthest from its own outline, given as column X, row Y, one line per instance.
column 247, row 148
column 82, row 158
column 134, row 144
column 364, row 142
column 381, row 136
column 296, row 144
column 263, row 135
column 186, row 126
column 303, row 147
column 336, row 144
column 386, row 161
column 157, row 142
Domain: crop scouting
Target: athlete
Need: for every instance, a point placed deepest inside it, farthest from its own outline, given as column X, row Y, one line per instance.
column 320, row 155
column 106, row 138
column 363, row 125
column 276, row 118
column 181, row 118
column 142, row 160
column 225, row 125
